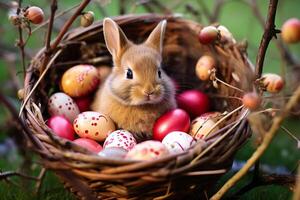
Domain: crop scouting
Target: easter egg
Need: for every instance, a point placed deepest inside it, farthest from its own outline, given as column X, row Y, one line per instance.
column 177, row 142
column 93, row 125
column 194, row 102
column 113, row 153
column 120, row 138
column 89, row 144
column 61, row 127
column 174, row 120
column 83, row 103
column 202, row 125
column 148, row 150
column 61, row 104
column 80, row 80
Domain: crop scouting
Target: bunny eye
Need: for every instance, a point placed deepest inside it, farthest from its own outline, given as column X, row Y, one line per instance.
column 159, row 74
column 129, row 74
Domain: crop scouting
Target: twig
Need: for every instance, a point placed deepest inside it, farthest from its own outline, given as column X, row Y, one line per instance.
column 284, row 52
column 269, row 33
column 50, row 25
column 21, row 43
column 268, row 136
column 63, row 31
column 56, row 16
column 40, row 180
column 7, row 174
column 289, row 133
column 297, row 189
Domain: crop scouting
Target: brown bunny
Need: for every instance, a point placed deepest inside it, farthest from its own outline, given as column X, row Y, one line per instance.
column 137, row 91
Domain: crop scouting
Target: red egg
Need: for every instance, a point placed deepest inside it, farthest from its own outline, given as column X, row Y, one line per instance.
column 62, row 127
column 89, row 144
column 83, row 103
column 174, row 120
column 194, row 102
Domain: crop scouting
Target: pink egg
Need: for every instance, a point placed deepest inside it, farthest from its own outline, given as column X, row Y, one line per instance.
column 61, row 104
column 83, row 103
column 62, row 127
column 174, row 120
column 89, row 144
column 93, row 125
column 194, row 102
column 148, row 150
column 120, row 138
column 177, row 142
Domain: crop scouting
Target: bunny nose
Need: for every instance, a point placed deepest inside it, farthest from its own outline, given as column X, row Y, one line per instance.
column 149, row 93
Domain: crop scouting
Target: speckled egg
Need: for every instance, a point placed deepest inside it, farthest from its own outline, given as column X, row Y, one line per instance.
column 60, row 104
column 202, row 125
column 113, row 153
column 80, row 80
column 93, row 125
column 120, row 138
column 177, row 142
column 148, row 150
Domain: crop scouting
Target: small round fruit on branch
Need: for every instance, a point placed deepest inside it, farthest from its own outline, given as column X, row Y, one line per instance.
column 174, row 120
column 272, row 83
column 34, row 14
column 226, row 35
column 208, row 35
column 290, row 31
column 89, row 144
column 204, row 66
column 251, row 100
column 87, row 18
column 61, row 127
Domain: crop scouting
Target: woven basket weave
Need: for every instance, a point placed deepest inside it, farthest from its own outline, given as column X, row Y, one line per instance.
column 187, row 175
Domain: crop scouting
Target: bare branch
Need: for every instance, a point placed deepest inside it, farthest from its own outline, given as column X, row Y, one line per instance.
column 50, row 25
column 269, row 33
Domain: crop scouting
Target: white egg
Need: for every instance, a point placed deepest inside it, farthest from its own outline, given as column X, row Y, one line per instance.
column 120, row 138
column 63, row 105
column 93, row 125
column 177, row 142
column 148, row 150
column 113, row 153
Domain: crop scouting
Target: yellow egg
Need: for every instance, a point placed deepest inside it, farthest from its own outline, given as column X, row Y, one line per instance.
column 80, row 80
column 201, row 127
column 93, row 125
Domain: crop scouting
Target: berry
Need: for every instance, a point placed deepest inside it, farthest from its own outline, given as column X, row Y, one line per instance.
column 34, row 14
column 272, row 82
column 251, row 100
column 87, row 19
column 208, row 35
column 290, row 31
column 204, row 66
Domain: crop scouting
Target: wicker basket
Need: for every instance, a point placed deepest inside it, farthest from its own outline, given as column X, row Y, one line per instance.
column 187, row 175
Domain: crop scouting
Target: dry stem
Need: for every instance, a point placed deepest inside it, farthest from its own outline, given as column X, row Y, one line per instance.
column 269, row 33
column 261, row 149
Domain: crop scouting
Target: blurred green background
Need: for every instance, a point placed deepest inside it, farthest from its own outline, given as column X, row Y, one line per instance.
column 236, row 15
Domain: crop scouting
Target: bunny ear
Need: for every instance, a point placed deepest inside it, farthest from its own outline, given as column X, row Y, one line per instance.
column 114, row 37
column 156, row 38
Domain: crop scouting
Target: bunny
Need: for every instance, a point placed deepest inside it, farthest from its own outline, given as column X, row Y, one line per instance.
column 137, row 91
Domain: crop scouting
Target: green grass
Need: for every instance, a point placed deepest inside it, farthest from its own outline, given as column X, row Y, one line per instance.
column 239, row 19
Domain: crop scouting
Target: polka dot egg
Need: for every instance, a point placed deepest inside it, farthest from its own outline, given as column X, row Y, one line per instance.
column 60, row 104
column 93, row 125
column 120, row 138
column 177, row 142
column 148, row 150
